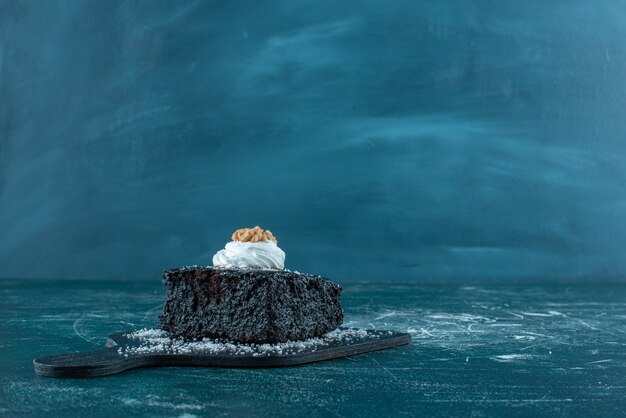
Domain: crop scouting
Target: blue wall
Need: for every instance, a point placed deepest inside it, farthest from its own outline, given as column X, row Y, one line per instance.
column 379, row 140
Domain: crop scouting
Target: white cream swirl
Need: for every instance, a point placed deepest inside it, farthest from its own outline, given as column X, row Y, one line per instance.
column 237, row 254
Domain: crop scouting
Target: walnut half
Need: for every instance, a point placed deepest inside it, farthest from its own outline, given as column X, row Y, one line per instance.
column 255, row 234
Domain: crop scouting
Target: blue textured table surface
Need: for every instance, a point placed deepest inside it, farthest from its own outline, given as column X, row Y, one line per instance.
column 480, row 350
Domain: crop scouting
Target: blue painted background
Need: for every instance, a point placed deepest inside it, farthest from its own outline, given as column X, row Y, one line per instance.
column 407, row 140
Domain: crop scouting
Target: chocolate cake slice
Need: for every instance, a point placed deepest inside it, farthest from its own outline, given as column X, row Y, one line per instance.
column 249, row 305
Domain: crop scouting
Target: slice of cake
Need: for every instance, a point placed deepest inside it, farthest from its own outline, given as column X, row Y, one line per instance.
column 248, row 296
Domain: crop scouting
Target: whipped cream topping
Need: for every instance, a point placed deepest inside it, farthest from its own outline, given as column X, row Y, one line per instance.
column 263, row 254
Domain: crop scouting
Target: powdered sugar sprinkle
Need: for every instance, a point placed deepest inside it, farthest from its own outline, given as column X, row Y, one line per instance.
column 156, row 341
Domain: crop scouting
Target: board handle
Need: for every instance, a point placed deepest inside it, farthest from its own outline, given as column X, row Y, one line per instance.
column 88, row 364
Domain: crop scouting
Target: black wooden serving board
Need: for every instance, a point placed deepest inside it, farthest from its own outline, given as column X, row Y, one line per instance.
column 125, row 351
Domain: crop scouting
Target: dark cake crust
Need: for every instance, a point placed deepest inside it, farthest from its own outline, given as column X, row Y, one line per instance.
column 260, row 306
